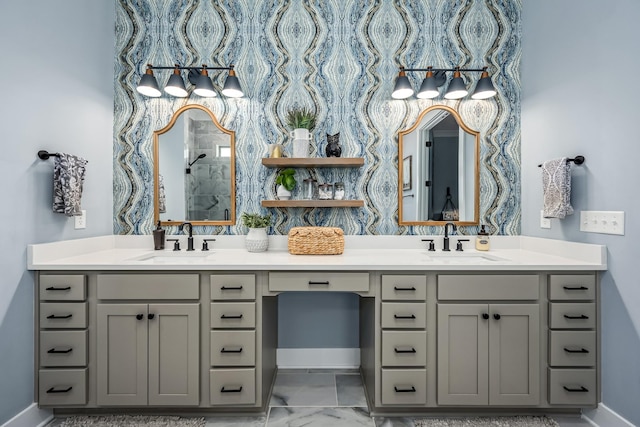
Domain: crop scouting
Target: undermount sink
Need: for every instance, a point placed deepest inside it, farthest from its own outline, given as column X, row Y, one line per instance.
column 172, row 257
column 463, row 258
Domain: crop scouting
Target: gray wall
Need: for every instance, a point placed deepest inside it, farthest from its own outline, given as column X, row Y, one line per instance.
column 57, row 74
column 580, row 96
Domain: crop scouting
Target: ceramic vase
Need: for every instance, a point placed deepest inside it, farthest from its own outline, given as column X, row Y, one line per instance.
column 282, row 193
column 257, row 240
column 301, row 139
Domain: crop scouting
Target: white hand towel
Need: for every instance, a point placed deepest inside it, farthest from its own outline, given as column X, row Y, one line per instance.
column 68, row 177
column 556, row 187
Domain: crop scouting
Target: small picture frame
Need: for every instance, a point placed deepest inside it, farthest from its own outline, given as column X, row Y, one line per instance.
column 406, row 173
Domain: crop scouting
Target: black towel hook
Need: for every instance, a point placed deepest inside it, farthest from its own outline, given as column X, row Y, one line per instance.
column 44, row 154
column 578, row 160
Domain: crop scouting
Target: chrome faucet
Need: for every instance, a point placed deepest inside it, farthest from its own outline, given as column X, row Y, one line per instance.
column 190, row 238
column 446, row 235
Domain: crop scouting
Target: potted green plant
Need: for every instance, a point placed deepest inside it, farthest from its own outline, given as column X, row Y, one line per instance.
column 286, row 182
column 301, row 121
column 257, row 239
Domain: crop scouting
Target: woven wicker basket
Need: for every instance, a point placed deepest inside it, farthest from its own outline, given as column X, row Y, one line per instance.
column 316, row 241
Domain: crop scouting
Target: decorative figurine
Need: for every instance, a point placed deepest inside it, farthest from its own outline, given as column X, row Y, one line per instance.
column 333, row 145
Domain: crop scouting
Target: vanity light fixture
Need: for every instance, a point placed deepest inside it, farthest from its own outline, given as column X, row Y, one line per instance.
column 436, row 77
column 199, row 76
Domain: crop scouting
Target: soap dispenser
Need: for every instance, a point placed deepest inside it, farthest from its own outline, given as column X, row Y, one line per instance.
column 482, row 241
column 158, row 238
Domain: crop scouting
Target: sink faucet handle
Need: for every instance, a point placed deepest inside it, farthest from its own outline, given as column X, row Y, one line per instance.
column 205, row 244
column 176, row 244
column 432, row 246
column 459, row 244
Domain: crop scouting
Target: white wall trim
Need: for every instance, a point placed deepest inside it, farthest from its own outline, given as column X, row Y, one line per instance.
column 603, row 416
column 318, row 358
column 31, row 416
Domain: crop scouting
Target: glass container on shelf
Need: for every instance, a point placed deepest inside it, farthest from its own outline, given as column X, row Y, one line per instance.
column 325, row 191
column 309, row 189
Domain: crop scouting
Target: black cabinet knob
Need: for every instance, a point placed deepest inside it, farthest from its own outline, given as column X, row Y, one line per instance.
column 151, row 316
column 485, row 316
column 496, row 316
column 139, row 316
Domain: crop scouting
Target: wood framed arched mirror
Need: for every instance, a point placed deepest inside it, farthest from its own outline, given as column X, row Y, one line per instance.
column 194, row 170
column 438, row 171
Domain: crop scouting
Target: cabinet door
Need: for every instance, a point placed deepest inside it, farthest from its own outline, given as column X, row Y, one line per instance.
column 463, row 354
column 173, row 354
column 514, row 354
column 122, row 354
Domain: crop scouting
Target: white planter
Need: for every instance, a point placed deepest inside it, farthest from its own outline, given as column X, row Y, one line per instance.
column 257, row 240
column 301, row 139
column 282, row 193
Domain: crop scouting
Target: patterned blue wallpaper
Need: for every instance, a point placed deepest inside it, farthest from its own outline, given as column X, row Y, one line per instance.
column 338, row 57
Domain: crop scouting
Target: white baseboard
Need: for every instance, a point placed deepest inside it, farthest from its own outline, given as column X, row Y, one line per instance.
column 31, row 416
column 603, row 416
column 318, row 358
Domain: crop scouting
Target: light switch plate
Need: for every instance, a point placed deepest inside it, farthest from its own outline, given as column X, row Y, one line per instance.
column 605, row 222
column 544, row 222
column 81, row 220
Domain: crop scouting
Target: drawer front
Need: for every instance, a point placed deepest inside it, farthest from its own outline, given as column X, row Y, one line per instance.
column 63, row 315
column 572, row 287
column 232, row 386
column 62, row 287
column 233, row 348
column 488, row 287
column 232, row 315
column 60, row 387
column 572, row 387
column 410, row 315
column 404, row 387
column 233, row 287
column 404, row 348
column 324, row 281
column 572, row 348
column 398, row 287
column 572, row 315
column 148, row 286
column 63, row 348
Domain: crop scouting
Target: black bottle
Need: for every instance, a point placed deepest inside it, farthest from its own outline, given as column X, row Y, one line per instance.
column 158, row 238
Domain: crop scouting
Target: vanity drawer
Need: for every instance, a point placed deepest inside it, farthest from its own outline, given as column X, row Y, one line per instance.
column 404, row 387
column 62, row 287
column 572, row 287
column 148, row 286
column 63, row 315
column 572, row 386
column 60, row 387
column 404, row 348
column 232, row 386
column 233, row 287
column 399, row 287
column 63, row 348
column 410, row 315
column 572, row 348
column 325, row 281
column 488, row 287
column 233, row 315
column 572, row 315
column 233, row 348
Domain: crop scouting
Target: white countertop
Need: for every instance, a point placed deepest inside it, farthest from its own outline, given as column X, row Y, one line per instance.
column 508, row 253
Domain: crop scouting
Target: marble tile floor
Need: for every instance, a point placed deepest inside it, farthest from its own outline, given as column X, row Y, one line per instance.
column 321, row 398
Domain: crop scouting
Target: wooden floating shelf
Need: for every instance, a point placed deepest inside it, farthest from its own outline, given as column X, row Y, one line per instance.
column 313, row 203
column 313, row 162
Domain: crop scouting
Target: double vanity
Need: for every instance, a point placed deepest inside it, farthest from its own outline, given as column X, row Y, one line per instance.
column 123, row 327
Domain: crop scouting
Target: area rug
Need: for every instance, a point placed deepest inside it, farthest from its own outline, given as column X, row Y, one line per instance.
column 131, row 421
column 487, row 422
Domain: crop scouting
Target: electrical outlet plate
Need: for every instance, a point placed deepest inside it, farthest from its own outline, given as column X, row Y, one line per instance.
column 81, row 220
column 544, row 222
column 605, row 222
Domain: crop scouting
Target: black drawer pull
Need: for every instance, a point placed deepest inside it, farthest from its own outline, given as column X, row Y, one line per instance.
column 575, row 288
column 405, row 390
column 582, row 389
column 582, row 316
column 398, row 288
column 402, row 316
column 413, row 350
column 324, row 283
column 55, row 316
column 231, row 288
column 53, row 288
column 54, row 351
column 231, row 316
column 231, row 390
column 582, row 350
column 53, row 390
column 224, row 350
